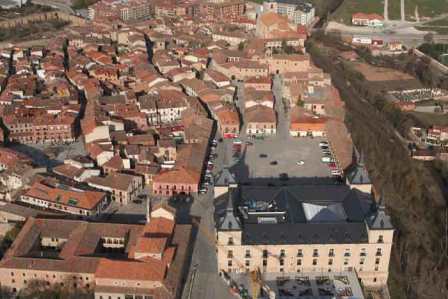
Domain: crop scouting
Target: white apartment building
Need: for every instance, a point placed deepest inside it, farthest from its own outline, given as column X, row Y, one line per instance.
column 298, row 12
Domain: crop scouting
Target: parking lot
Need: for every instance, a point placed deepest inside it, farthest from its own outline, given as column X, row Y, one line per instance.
column 273, row 156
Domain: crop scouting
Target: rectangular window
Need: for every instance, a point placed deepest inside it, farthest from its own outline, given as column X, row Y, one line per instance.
column 314, row 262
column 331, row 252
column 299, row 262
column 330, row 262
column 282, row 262
column 315, row 253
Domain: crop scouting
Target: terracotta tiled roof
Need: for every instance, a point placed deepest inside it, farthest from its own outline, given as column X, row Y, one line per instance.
column 260, row 114
column 81, row 199
column 151, row 269
column 179, row 175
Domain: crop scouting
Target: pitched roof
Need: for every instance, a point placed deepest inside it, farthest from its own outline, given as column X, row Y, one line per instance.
column 260, row 114
column 115, row 180
column 77, row 198
column 178, row 175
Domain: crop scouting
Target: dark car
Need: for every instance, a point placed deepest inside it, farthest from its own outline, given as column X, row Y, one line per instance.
column 263, row 156
column 283, row 177
column 249, row 143
column 273, row 163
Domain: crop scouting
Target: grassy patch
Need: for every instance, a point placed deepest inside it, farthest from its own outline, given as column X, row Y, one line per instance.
column 439, row 30
column 31, row 31
column 426, row 8
column 344, row 13
column 25, row 10
column 82, row 4
column 429, row 119
column 441, row 22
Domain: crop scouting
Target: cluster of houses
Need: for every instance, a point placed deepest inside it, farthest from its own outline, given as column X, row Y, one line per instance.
column 144, row 97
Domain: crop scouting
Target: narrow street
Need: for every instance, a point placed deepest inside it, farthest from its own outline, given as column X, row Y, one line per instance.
column 282, row 112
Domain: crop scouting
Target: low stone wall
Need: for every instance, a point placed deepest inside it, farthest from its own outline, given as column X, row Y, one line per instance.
column 42, row 17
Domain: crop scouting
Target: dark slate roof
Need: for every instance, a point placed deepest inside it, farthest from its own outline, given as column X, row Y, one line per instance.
column 304, row 233
column 229, row 221
column 308, row 214
column 380, row 220
column 358, row 174
column 290, row 199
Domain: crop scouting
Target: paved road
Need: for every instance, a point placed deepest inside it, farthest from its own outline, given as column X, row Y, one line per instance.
column 281, row 109
column 203, row 280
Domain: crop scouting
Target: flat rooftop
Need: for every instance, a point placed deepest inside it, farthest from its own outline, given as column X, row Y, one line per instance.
column 309, row 285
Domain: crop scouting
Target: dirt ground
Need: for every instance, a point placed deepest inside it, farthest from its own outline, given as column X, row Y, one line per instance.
column 373, row 73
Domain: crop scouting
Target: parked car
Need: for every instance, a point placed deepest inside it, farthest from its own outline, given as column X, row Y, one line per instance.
column 249, row 143
column 210, row 163
column 326, row 159
column 202, row 191
column 323, row 143
column 300, row 163
column 326, row 152
column 336, row 172
column 332, row 164
column 263, row 156
column 324, row 148
column 273, row 163
column 283, row 177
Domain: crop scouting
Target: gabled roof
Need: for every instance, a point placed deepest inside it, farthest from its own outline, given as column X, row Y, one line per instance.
column 359, row 175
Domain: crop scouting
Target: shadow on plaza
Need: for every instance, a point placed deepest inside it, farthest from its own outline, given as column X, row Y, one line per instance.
column 241, row 171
